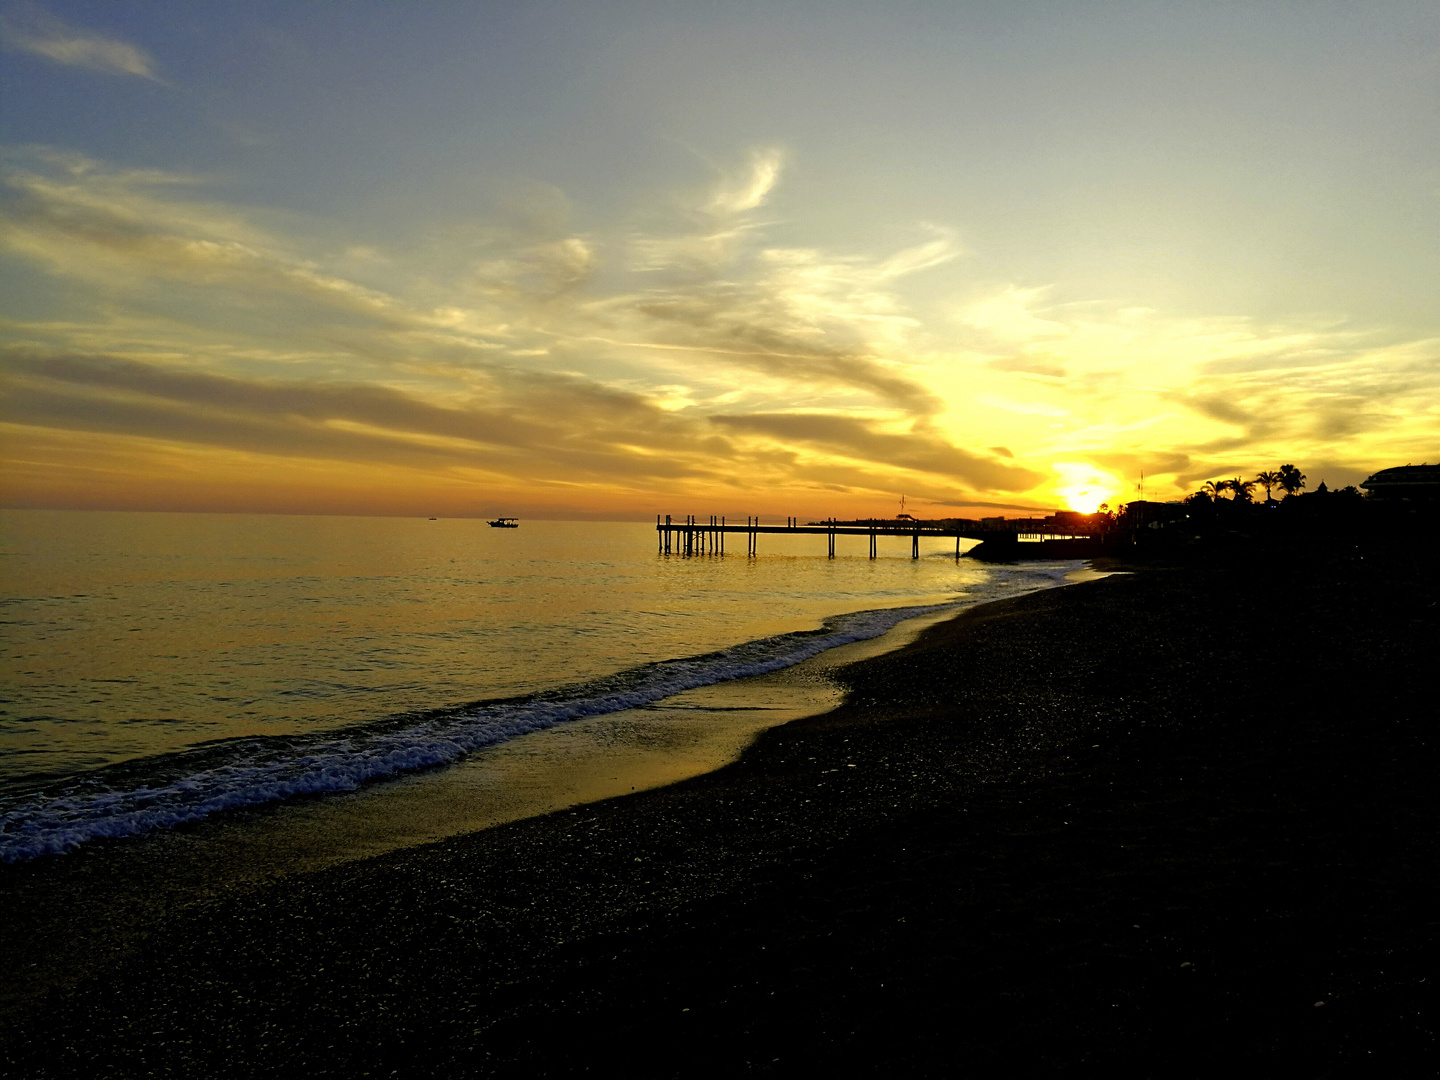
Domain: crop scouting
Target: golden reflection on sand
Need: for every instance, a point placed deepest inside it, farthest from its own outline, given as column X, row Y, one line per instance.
column 578, row 762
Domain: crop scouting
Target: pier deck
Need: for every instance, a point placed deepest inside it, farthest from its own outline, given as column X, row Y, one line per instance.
column 693, row 537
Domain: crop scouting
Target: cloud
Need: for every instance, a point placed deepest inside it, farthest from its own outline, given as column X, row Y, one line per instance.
column 540, row 271
column 758, row 332
column 924, row 256
column 1185, row 396
column 122, row 227
column 916, row 450
column 809, row 322
column 27, row 28
column 1029, row 365
column 749, row 191
column 526, row 425
column 695, row 355
column 523, row 428
column 795, row 314
column 824, row 326
column 1010, row 316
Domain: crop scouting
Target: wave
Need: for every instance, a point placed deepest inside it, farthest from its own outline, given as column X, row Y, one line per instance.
column 250, row 772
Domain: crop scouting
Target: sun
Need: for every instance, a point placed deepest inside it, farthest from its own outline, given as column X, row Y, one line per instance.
column 1084, row 487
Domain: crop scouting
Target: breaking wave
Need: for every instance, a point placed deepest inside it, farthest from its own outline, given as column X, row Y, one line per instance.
column 163, row 792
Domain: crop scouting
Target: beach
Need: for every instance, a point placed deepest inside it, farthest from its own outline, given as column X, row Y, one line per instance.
column 1157, row 823
column 689, row 540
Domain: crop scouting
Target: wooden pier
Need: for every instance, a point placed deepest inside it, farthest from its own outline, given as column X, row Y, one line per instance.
column 693, row 537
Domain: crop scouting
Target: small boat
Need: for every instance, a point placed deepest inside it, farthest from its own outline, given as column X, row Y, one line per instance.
column 504, row 523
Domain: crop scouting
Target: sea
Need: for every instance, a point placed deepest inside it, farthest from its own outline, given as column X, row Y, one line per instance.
column 161, row 669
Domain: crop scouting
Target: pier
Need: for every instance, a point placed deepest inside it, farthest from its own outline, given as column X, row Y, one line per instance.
column 693, row 537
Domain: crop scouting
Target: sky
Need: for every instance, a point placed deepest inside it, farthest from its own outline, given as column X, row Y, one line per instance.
column 613, row 259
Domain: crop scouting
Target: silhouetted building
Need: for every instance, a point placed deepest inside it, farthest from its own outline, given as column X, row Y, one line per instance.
column 1143, row 514
column 1405, row 483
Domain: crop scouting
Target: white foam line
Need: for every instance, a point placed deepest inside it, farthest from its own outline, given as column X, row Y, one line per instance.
column 62, row 823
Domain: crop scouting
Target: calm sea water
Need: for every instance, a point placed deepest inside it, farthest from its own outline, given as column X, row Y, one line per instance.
column 159, row 667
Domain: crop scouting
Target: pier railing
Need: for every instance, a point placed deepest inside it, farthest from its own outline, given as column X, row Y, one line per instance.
column 693, row 537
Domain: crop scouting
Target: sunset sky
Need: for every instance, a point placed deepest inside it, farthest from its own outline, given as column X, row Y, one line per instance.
column 616, row 259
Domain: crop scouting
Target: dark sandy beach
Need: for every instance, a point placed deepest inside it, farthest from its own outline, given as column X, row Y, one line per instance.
column 1168, row 823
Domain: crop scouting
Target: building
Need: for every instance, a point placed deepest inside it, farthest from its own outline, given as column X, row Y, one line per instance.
column 1154, row 515
column 1405, row 483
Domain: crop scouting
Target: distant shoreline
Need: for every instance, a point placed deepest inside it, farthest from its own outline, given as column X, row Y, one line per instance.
column 1145, row 823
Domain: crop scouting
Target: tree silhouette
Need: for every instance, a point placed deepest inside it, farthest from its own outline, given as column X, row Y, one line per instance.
column 1292, row 480
column 1243, row 489
column 1216, row 488
column 1267, row 480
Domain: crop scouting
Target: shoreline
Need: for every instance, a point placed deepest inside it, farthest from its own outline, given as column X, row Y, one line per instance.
column 156, row 876
column 949, row 863
column 52, row 814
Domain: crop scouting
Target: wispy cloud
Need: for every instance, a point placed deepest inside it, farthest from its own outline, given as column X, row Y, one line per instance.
column 28, row 28
column 749, row 190
column 220, row 336
column 915, row 449
column 818, row 322
column 521, row 353
column 522, row 429
column 1190, row 398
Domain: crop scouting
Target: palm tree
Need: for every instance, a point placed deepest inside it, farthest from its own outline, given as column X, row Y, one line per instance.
column 1243, row 489
column 1267, row 480
column 1216, row 488
column 1292, row 480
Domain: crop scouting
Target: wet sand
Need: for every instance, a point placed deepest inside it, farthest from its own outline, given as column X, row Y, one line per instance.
column 1159, row 824
column 72, row 916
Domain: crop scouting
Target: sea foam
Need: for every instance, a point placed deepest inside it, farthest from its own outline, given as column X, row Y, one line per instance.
column 250, row 772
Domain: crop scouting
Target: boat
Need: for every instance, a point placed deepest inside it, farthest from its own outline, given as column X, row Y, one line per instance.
column 504, row 523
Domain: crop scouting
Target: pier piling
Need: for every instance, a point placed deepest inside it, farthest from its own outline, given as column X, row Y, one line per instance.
column 691, row 537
